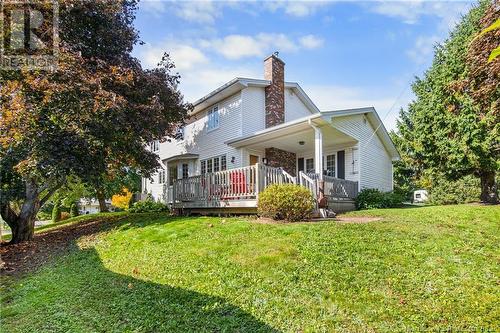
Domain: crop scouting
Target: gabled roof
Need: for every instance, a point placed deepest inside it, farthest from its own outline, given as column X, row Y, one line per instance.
column 374, row 120
column 238, row 84
column 320, row 119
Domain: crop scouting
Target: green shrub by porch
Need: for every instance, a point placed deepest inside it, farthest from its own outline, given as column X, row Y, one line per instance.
column 288, row 202
column 371, row 198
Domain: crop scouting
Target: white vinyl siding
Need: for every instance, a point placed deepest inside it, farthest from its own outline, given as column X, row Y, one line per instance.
column 375, row 164
column 253, row 116
column 294, row 108
column 199, row 140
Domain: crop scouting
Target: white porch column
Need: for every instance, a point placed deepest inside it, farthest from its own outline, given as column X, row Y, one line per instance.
column 318, row 150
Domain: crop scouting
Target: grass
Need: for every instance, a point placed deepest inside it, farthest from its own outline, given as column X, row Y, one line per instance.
column 69, row 221
column 429, row 268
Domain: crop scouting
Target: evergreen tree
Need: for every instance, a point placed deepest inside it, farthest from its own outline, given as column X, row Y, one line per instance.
column 447, row 130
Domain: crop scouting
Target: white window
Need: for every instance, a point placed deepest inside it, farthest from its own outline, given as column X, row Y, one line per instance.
column 185, row 170
column 213, row 118
column 355, row 160
column 330, row 165
column 209, row 165
column 223, row 163
column 179, row 133
column 310, row 165
column 214, row 164
column 172, row 174
column 203, row 167
column 161, row 176
column 155, row 146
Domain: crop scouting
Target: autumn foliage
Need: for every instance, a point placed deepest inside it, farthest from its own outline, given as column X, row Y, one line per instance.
column 122, row 200
column 91, row 118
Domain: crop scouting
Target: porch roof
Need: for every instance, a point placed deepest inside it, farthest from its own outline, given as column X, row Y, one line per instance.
column 299, row 130
column 180, row 157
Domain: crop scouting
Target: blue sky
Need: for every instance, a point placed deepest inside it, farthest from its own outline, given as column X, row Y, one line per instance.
column 344, row 54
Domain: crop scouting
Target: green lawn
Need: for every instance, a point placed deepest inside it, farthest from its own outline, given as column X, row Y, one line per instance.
column 416, row 269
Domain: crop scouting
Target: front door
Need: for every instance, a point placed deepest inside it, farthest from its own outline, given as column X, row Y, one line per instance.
column 254, row 159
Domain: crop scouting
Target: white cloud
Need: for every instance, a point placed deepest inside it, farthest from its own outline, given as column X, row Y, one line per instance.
column 199, row 73
column 295, row 8
column 423, row 49
column 200, row 11
column 236, row 46
column 185, row 57
column 412, row 11
column 311, row 42
column 198, row 83
column 241, row 46
column 154, row 7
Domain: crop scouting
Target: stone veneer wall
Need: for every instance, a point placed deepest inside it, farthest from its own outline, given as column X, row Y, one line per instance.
column 274, row 70
column 281, row 158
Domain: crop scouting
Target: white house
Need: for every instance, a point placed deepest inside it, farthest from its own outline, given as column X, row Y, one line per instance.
column 249, row 133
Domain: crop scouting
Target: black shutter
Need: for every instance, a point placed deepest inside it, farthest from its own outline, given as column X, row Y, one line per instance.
column 301, row 164
column 341, row 164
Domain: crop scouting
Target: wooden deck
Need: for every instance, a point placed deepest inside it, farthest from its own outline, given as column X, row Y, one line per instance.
column 237, row 190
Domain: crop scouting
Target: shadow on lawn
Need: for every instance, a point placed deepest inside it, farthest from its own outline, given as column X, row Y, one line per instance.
column 87, row 296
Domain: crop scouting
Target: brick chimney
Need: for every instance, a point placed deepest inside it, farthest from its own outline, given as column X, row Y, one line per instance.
column 274, row 71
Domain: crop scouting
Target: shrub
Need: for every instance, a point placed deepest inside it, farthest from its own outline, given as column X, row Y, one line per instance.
column 122, row 200
column 64, row 216
column 73, row 211
column 371, row 198
column 444, row 192
column 56, row 212
column 288, row 202
column 148, row 206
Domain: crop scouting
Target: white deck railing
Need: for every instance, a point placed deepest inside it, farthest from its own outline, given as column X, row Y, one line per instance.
column 340, row 188
column 246, row 183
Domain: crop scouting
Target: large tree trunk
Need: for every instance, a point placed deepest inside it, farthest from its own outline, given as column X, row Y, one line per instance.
column 22, row 224
column 102, row 201
column 489, row 190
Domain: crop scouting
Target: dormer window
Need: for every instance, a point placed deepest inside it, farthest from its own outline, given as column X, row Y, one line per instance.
column 213, row 118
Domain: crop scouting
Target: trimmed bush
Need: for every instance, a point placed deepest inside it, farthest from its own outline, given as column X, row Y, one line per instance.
column 56, row 212
column 288, row 202
column 371, row 198
column 148, row 206
column 73, row 210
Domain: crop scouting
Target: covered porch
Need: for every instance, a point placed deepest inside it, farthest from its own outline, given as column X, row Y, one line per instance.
column 311, row 145
column 309, row 152
column 237, row 190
